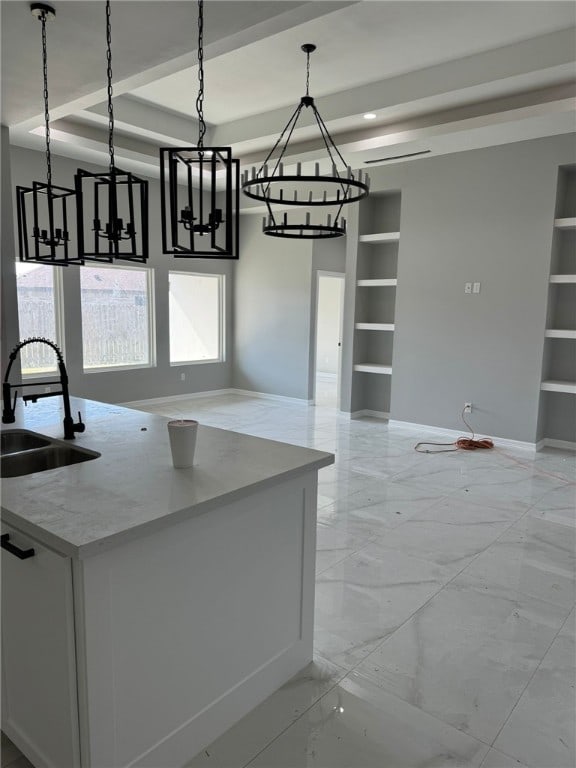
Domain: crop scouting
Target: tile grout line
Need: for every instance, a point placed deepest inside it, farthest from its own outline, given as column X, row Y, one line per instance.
column 380, row 645
column 489, row 745
column 347, row 557
column 528, row 683
column 368, row 434
column 313, row 704
column 361, row 661
column 400, row 626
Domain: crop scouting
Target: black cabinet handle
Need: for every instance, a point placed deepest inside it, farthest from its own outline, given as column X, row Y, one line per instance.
column 22, row 554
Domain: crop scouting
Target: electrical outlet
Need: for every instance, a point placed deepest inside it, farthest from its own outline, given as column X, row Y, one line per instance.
column 467, row 407
column 467, row 287
column 182, row 377
column 476, row 288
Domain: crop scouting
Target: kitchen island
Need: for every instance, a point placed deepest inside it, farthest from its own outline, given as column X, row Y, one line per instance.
column 160, row 604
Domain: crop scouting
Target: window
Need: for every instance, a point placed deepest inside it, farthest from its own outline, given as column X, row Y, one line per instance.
column 39, row 293
column 117, row 317
column 196, row 318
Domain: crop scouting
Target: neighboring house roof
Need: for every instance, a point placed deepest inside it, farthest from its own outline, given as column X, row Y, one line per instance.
column 93, row 278
column 36, row 277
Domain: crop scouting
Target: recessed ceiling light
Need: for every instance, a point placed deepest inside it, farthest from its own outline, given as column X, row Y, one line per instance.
column 369, row 116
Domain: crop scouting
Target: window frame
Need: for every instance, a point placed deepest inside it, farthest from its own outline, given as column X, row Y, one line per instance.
column 59, row 325
column 150, row 325
column 221, row 318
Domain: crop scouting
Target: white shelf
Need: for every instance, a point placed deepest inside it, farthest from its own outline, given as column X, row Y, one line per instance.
column 559, row 386
column 381, row 237
column 373, row 368
column 377, row 327
column 379, row 283
column 553, row 333
column 563, row 278
column 565, row 223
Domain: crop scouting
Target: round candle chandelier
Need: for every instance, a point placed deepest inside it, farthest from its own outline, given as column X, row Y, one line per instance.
column 112, row 208
column 42, row 209
column 273, row 184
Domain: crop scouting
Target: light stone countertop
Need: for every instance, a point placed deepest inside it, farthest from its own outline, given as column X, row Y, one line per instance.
column 132, row 489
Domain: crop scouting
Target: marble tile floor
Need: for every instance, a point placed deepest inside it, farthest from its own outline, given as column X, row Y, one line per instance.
column 445, row 619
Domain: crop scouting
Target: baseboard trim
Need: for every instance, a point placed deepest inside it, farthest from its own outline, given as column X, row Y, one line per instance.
column 452, row 433
column 214, row 393
column 227, row 709
column 176, row 398
column 550, row 442
column 372, row 414
column 28, row 747
column 269, row 396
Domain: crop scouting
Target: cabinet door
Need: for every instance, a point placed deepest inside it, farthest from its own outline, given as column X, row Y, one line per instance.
column 39, row 710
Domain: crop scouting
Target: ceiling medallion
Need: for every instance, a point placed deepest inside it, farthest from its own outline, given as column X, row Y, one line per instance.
column 337, row 186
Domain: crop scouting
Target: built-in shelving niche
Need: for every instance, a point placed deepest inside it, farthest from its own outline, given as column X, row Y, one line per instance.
column 376, row 285
column 557, row 417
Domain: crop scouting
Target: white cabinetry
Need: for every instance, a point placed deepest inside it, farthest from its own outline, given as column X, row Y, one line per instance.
column 39, row 702
column 143, row 653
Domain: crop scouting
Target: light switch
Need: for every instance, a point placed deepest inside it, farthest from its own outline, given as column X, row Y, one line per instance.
column 467, row 287
column 476, row 288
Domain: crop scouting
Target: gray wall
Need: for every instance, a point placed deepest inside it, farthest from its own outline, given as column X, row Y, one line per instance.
column 163, row 380
column 275, row 300
column 485, row 215
column 9, row 307
column 272, row 312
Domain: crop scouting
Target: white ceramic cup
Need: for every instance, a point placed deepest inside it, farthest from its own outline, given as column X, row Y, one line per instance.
column 182, row 433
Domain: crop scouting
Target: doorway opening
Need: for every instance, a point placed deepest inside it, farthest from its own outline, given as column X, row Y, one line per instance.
column 328, row 346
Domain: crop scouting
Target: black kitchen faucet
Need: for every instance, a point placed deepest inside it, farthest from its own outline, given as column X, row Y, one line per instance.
column 9, row 406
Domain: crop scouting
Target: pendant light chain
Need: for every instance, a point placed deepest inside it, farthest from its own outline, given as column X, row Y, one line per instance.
column 109, row 89
column 200, row 97
column 43, row 207
column 200, row 186
column 46, row 112
column 307, row 73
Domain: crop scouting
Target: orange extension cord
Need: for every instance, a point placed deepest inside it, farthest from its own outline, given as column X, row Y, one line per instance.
column 471, row 444
column 462, row 444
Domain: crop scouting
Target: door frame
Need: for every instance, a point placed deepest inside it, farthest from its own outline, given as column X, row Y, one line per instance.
column 314, row 334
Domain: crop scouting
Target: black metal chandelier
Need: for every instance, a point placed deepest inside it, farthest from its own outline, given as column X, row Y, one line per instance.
column 337, row 187
column 42, row 209
column 200, row 189
column 112, row 207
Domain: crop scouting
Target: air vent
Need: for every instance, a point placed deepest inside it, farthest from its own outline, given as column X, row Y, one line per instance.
column 398, row 157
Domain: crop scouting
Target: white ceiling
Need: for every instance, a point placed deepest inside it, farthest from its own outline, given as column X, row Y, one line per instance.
column 441, row 76
column 359, row 44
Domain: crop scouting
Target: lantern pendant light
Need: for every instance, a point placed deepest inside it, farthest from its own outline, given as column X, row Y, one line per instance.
column 199, row 189
column 42, row 209
column 337, row 187
column 112, row 207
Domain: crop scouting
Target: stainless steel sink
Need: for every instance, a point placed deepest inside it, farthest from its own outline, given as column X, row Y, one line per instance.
column 24, row 452
column 15, row 440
